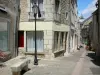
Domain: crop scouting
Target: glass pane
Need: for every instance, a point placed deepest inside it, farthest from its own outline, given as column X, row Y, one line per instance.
column 31, row 41
column 3, row 36
column 35, row 1
column 40, row 41
column 61, row 40
column 40, row 5
column 56, row 35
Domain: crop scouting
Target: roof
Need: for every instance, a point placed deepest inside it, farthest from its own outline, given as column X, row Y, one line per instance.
column 87, row 21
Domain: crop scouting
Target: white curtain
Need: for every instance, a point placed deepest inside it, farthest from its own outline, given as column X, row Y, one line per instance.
column 40, row 41
column 39, row 3
column 31, row 41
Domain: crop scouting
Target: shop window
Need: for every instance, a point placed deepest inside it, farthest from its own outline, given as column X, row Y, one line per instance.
column 4, row 36
column 61, row 40
column 30, row 35
column 56, row 35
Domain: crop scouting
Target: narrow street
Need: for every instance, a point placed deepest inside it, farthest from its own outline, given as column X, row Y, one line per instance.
column 79, row 63
column 57, row 66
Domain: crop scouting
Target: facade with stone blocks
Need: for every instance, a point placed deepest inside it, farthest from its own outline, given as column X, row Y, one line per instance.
column 74, row 33
column 8, row 22
column 52, row 27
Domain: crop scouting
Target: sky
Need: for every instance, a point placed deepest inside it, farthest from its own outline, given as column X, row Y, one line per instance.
column 86, row 7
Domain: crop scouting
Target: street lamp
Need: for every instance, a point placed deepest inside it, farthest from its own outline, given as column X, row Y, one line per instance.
column 35, row 11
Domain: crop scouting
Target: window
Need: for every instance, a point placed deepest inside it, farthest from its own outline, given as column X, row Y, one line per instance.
column 66, row 15
column 61, row 40
column 21, row 39
column 57, row 6
column 30, row 35
column 57, row 11
column 4, row 31
column 56, row 35
column 65, row 40
column 40, row 10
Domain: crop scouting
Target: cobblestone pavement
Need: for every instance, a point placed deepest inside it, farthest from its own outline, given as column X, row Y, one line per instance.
column 91, row 66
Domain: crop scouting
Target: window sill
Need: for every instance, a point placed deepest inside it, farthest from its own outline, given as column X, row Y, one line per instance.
column 59, row 51
column 32, row 53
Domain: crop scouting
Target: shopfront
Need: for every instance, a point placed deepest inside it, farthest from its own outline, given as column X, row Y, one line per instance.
column 5, row 52
column 4, row 35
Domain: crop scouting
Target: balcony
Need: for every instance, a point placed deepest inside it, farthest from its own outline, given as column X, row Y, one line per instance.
column 39, row 17
column 57, row 17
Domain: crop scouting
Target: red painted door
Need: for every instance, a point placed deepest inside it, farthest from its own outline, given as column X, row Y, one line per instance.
column 21, row 39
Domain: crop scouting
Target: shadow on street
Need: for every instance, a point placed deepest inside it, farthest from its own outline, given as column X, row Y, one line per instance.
column 24, row 71
column 94, row 58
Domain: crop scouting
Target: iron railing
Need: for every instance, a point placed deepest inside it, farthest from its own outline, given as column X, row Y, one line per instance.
column 39, row 15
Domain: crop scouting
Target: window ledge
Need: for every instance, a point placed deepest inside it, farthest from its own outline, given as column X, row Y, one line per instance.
column 32, row 53
column 59, row 51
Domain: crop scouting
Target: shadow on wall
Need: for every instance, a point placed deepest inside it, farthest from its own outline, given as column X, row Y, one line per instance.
column 95, row 60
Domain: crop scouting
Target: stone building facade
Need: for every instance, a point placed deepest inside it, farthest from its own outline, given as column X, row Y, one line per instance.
column 94, row 32
column 74, row 36
column 52, row 27
column 8, row 22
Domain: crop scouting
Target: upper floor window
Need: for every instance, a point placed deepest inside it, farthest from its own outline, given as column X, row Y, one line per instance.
column 57, row 6
column 4, row 36
column 40, row 6
column 57, row 11
column 66, row 15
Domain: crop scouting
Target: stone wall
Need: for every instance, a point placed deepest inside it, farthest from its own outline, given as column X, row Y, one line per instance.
column 49, row 10
column 64, row 9
column 9, row 4
column 48, row 43
column 48, row 7
column 24, row 12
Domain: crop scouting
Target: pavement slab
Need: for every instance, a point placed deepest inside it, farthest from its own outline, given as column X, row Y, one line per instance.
column 57, row 66
column 79, row 63
column 90, row 65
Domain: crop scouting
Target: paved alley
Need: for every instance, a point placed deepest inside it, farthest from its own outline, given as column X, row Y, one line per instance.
column 79, row 63
column 90, row 66
column 58, row 66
